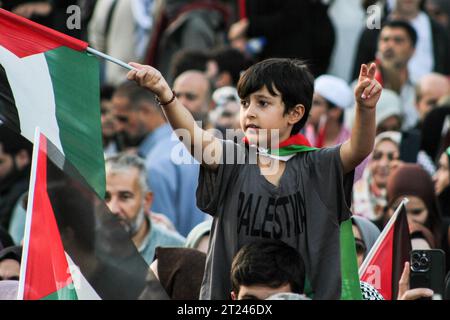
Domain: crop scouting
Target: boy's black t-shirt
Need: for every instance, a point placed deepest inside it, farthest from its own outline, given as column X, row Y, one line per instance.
column 305, row 211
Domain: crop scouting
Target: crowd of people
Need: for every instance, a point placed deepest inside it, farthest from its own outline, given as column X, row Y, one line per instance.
column 375, row 102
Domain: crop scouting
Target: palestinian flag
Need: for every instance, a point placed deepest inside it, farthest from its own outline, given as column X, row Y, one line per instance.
column 74, row 247
column 294, row 144
column 291, row 146
column 383, row 266
column 349, row 266
column 48, row 80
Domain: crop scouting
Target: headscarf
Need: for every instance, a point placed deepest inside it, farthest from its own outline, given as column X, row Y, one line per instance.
column 416, row 230
column 197, row 233
column 411, row 179
column 5, row 239
column 8, row 289
column 369, row 232
column 389, row 105
column 366, row 196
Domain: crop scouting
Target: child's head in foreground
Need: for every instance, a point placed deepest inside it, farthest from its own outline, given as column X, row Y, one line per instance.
column 266, row 267
column 276, row 94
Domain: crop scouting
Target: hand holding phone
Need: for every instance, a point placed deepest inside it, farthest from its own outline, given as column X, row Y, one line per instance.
column 404, row 290
column 428, row 270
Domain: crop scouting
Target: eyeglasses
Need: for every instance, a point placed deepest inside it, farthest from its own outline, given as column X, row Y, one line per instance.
column 377, row 155
column 189, row 95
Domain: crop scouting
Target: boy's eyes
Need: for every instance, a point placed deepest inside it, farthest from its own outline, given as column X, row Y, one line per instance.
column 261, row 103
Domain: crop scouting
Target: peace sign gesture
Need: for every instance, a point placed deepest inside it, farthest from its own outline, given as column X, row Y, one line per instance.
column 368, row 90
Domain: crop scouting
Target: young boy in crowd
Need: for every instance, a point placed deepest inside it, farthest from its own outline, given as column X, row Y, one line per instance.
column 264, row 268
column 297, row 197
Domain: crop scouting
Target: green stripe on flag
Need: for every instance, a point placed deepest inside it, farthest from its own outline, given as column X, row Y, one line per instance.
column 66, row 293
column 292, row 149
column 351, row 289
column 75, row 79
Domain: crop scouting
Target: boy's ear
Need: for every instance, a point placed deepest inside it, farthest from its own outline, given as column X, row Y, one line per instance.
column 296, row 114
column 233, row 295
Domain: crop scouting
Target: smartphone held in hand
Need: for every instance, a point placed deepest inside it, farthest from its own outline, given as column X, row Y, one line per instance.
column 428, row 271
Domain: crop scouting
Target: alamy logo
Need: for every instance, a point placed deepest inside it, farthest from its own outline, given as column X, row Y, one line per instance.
column 73, row 22
column 374, row 276
column 374, row 17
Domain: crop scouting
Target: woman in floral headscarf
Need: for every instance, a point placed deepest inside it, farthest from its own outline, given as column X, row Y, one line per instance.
column 369, row 193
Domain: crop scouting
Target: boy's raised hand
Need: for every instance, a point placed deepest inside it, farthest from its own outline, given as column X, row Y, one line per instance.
column 149, row 77
column 368, row 90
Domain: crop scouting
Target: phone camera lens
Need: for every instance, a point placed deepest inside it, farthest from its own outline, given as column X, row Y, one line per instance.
column 416, row 256
column 415, row 266
column 424, row 261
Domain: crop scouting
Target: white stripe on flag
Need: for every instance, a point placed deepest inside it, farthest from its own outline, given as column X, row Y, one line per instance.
column 32, row 88
column 82, row 286
column 29, row 216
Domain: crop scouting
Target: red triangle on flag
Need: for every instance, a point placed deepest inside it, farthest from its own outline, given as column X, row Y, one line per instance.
column 44, row 269
column 383, row 265
column 24, row 37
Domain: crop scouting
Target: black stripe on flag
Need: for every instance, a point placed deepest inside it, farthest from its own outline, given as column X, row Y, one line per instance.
column 401, row 249
column 8, row 110
column 93, row 237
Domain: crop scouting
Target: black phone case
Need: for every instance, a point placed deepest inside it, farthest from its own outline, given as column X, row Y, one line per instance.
column 429, row 274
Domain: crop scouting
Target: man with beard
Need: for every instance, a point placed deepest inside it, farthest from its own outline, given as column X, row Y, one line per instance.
column 129, row 198
column 193, row 89
column 171, row 171
column 15, row 160
column 396, row 46
column 130, row 115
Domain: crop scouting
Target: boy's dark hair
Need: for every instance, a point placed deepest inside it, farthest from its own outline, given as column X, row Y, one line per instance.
column 291, row 77
column 405, row 26
column 232, row 61
column 268, row 262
